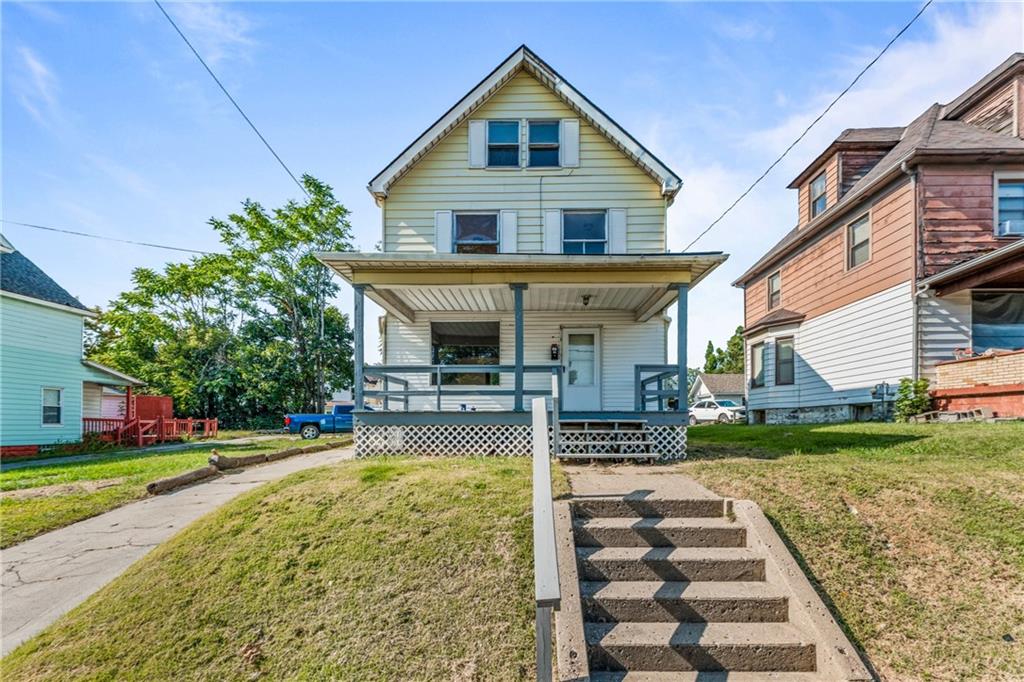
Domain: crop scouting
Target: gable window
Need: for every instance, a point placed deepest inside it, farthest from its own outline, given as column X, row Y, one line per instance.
column 784, row 362
column 997, row 320
column 774, row 290
column 53, row 411
column 1010, row 206
column 818, row 199
column 544, row 141
column 584, row 232
column 502, row 144
column 757, row 365
column 465, row 343
column 858, row 242
column 476, row 233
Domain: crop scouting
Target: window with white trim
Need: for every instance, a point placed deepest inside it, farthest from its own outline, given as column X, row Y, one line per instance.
column 858, row 242
column 774, row 290
column 1010, row 206
column 544, row 139
column 785, row 362
column 819, row 199
column 502, row 144
column 53, row 401
column 466, row 343
column 476, row 233
column 757, row 365
column 584, row 232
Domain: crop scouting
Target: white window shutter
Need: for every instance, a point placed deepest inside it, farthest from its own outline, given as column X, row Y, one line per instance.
column 509, row 231
column 570, row 144
column 553, row 231
column 477, row 144
column 616, row 230
column 443, row 231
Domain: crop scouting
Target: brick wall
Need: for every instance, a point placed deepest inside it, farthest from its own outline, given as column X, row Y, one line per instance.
column 995, row 370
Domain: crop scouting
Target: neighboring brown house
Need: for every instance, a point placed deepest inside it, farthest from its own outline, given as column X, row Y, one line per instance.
column 907, row 251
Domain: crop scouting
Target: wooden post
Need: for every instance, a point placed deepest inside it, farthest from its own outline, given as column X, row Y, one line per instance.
column 517, row 297
column 129, row 405
column 357, row 346
column 681, row 395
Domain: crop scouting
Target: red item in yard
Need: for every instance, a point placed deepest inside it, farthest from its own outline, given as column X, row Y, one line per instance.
column 152, row 406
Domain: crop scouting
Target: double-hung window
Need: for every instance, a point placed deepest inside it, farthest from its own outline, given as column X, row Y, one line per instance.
column 819, row 199
column 757, row 365
column 543, row 144
column 476, row 233
column 502, row 144
column 584, row 232
column 53, row 406
column 774, row 290
column 784, row 362
column 1010, row 206
column 858, row 242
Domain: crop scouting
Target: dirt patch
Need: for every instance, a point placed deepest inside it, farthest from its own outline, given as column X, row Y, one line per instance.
column 60, row 489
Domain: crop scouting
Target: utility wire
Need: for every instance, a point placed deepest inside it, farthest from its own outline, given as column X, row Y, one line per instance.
column 232, row 99
column 104, row 238
column 808, row 128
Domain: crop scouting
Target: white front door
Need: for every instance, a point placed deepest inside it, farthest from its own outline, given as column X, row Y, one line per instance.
column 582, row 364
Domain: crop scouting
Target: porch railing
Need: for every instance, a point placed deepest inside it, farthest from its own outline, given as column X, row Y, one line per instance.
column 388, row 374
column 147, row 431
column 650, row 385
column 546, row 586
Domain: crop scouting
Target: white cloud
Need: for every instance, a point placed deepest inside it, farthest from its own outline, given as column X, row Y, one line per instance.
column 219, row 33
column 120, row 174
column 35, row 86
column 944, row 54
column 744, row 30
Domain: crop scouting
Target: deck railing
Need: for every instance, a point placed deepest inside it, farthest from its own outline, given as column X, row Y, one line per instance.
column 649, row 385
column 147, row 431
column 547, row 589
column 388, row 374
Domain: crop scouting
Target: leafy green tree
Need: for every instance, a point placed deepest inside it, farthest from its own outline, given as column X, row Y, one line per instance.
column 729, row 360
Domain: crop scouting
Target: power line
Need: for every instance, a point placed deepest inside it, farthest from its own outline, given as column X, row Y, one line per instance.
column 105, row 238
column 812, row 124
column 232, row 99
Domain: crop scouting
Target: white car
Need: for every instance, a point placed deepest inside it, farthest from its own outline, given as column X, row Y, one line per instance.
column 721, row 411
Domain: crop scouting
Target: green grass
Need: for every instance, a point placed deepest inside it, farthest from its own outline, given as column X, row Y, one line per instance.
column 37, row 499
column 368, row 570
column 914, row 534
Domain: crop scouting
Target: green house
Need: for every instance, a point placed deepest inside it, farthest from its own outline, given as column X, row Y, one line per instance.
column 49, row 392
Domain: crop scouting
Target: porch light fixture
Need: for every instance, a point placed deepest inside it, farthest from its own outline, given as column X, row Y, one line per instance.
column 586, row 300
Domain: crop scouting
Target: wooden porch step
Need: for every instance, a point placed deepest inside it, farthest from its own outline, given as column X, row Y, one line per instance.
column 608, row 455
column 607, row 442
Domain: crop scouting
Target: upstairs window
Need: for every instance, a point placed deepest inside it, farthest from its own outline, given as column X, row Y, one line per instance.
column 584, row 232
column 476, row 233
column 502, row 144
column 774, row 290
column 466, row 343
column 757, row 365
column 53, row 399
column 818, row 199
column 784, row 362
column 1010, row 206
column 858, row 242
column 544, row 141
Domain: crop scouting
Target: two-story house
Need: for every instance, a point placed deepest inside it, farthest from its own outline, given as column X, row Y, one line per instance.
column 523, row 254
column 906, row 256
column 49, row 393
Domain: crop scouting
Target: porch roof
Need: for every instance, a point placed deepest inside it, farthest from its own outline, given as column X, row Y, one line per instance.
column 407, row 283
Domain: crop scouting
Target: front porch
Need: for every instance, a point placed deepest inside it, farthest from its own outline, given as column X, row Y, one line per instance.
column 468, row 340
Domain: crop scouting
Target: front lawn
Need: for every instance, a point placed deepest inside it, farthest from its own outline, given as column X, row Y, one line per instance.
column 37, row 499
column 915, row 533
column 368, row 570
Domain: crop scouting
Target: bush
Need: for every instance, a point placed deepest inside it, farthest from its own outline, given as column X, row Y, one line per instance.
column 911, row 398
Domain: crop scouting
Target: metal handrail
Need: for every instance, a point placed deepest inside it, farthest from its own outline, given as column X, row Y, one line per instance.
column 547, row 589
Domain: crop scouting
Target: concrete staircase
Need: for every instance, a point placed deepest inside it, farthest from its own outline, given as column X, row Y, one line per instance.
column 673, row 590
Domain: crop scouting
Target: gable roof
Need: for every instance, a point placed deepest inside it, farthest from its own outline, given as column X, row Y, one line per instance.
column 852, row 138
column 524, row 59
column 934, row 134
column 22, row 277
column 723, row 384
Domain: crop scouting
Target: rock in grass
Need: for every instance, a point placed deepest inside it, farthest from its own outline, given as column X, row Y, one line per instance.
column 165, row 484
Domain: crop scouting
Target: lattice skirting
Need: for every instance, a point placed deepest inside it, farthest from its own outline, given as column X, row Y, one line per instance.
column 480, row 440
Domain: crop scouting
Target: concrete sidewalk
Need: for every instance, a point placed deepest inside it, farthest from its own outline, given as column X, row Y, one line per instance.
column 45, row 577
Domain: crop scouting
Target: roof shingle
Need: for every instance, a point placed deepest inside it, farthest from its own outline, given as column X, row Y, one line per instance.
column 19, row 275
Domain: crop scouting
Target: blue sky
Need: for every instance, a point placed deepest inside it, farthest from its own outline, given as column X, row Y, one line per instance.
column 111, row 126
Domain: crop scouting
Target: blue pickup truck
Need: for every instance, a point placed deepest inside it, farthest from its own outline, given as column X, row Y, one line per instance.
column 310, row 426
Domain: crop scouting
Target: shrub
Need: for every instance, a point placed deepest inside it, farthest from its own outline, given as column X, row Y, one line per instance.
column 911, row 398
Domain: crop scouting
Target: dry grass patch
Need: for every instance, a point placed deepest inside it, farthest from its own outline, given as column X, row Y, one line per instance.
column 914, row 533
column 370, row 570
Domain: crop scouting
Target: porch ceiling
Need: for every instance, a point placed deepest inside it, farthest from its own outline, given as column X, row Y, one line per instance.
column 499, row 298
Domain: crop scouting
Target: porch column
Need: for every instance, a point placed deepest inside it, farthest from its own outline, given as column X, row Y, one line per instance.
column 517, row 297
column 683, row 289
column 357, row 346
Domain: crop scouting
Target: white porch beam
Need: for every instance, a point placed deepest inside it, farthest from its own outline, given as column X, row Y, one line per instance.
column 392, row 303
column 654, row 304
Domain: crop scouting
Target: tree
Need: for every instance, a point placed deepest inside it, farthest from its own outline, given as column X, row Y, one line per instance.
column 727, row 361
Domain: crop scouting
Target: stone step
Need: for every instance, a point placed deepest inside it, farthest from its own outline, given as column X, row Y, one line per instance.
column 605, row 507
column 747, row 647
column 656, row 676
column 659, row 532
column 686, row 602
column 669, row 564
